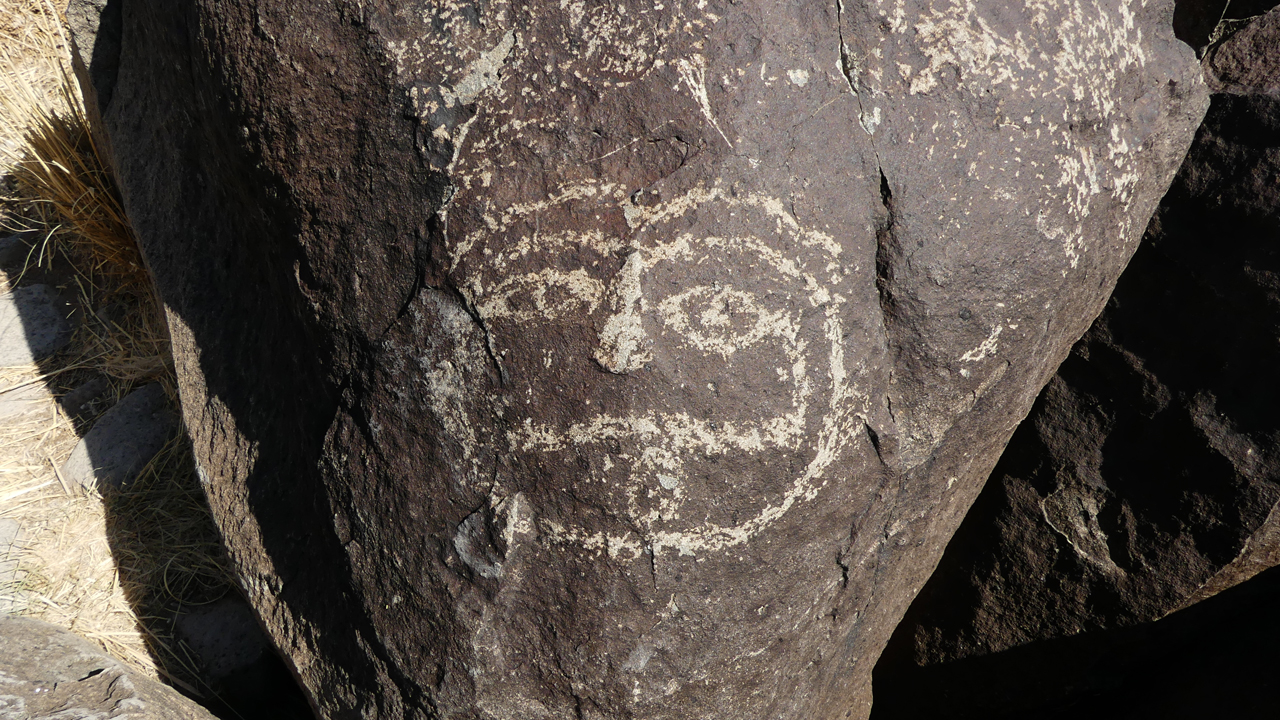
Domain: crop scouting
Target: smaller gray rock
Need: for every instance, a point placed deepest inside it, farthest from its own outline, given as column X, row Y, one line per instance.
column 88, row 400
column 224, row 637
column 33, row 325
column 123, row 440
column 48, row 673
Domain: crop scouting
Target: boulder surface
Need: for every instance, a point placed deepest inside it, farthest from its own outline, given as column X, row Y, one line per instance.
column 616, row 360
column 1147, row 476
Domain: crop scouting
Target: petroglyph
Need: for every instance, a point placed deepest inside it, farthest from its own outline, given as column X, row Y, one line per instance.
column 626, row 334
column 620, row 342
column 472, row 61
column 483, row 73
column 986, row 348
column 1098, row 43
column 790, row 319
column 693, row 71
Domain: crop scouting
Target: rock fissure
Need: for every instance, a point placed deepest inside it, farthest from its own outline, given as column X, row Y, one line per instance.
column 847, row 70
column 653, row 564
column 887, row 255
column 476, row 317
column 874, row 437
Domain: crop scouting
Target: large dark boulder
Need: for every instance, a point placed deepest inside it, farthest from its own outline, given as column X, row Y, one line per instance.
column 577, row 360
column 1147, row 476
column 1246, row 62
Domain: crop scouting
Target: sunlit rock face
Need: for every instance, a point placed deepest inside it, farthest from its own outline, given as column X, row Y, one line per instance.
column 625, row 360
column 1144, row 480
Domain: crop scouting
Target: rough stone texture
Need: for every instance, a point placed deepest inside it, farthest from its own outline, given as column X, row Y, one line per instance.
column 244, row 676
column 1204, row 23
column 33, row 325
column 622, row 360
column 48, row 673
column 224, row 637
column 10, row 248
column 1148, row 474
column 14, row 250
column 87, row 400
column 1247, row 62
column 123, row 440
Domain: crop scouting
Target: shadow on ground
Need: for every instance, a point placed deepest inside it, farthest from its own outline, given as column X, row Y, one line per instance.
column 133, row 449
column 1215, row 659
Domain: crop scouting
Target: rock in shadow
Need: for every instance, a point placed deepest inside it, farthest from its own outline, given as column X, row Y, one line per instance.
column 245, row 270
column 237, row 661
column 88, row 400
column 123, row 440
column 173, row 571
column 37, row 307
column 15, row 249
column 1201, row 23
column 33, row 325
column 1147, row 476
column 1214, row 659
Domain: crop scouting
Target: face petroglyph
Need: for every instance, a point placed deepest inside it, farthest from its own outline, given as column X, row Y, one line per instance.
column 687, row 349
column 697, row 310
column 629, row 358
column 697, row 324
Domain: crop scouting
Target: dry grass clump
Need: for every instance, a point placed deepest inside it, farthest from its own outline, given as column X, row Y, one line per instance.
column 65, row 570
column 24, row 34
column 115, row 567
column 57, row 167
column 64, row 190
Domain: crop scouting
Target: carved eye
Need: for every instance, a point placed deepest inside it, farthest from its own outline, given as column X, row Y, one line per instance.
column 544, row 295
column 723, row 320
